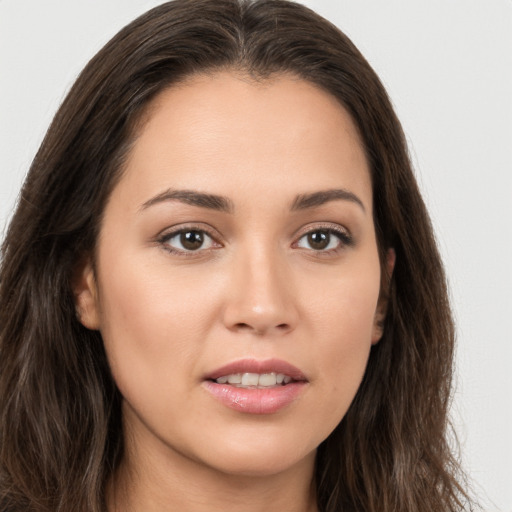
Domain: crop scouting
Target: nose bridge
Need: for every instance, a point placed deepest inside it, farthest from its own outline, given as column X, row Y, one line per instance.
column 261, row 298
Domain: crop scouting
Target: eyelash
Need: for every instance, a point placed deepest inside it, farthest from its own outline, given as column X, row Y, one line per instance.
column 345, row 240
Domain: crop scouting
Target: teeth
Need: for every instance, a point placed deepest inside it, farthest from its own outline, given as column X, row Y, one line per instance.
column 250, row 379
column 267, row 379
column 263, row 380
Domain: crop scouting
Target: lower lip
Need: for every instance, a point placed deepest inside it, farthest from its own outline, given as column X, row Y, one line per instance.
column 255, row 400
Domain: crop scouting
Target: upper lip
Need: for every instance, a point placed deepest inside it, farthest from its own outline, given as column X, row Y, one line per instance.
column 255, row 366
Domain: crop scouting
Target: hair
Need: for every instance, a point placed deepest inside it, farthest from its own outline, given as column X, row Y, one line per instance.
column 60, row 414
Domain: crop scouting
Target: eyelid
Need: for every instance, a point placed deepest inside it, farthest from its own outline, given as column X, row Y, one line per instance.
column 319, row 226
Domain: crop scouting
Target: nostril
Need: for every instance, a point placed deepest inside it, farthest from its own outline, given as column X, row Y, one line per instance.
column 242, row 326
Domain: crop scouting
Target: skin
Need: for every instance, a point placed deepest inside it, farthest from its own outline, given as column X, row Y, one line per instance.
column 256, row 289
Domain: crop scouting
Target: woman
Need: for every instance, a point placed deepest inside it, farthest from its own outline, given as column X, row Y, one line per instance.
column 220, row 288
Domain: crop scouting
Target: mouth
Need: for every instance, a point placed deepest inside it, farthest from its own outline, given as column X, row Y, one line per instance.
column 255, row 380
column 256, row 387
column 253, row 373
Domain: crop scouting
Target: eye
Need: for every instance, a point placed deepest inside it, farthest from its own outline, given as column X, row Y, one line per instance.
column 188, row 240
column 324, row 240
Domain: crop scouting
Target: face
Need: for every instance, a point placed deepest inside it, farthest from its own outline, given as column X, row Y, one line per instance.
column 237, row 277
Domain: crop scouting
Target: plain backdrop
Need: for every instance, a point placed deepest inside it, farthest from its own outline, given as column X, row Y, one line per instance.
column 447, row 65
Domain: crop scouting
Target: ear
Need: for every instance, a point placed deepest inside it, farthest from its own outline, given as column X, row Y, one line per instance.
column 85, row 292
column 382, row 305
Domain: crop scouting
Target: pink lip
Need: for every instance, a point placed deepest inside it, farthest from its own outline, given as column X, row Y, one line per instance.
column 256, row 400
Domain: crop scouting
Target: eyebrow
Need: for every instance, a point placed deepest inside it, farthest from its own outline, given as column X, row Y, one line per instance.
column 223, row 204
column 191, row 197
column 306, row 201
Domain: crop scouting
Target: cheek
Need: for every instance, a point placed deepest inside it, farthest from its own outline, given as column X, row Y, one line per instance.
column 343, row 305
column 151, row 318
column 342, row 321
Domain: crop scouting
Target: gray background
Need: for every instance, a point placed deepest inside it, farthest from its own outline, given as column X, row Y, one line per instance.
column 447, row 65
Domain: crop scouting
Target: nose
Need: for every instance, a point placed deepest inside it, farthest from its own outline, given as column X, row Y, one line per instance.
column 261, row 297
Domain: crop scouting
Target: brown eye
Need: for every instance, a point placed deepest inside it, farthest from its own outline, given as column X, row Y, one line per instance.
column 319, row 240
column 191, row 240
column 325, row 240
column 188, row 240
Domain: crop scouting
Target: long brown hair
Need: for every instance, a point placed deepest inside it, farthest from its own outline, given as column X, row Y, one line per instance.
column 60, row 419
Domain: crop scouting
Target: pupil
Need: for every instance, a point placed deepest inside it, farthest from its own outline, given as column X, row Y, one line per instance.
column 319, row 239
column 191, row 240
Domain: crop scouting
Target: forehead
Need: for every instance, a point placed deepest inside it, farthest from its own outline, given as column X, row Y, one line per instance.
column 227, row 130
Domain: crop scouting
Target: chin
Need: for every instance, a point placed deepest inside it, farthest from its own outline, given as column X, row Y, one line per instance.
column 261, row 455
column 263, row 465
